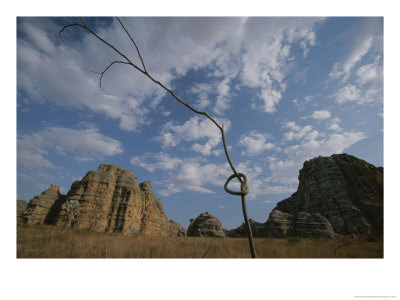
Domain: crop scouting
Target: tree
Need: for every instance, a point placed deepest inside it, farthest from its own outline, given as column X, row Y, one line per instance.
column 244, row 190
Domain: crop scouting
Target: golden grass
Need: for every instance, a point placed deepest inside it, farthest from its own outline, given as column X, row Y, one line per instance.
column 54, row 242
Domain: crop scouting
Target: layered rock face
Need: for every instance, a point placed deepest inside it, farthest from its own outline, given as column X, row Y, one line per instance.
column 258, row 230
column 110, row 199
column 176, row 229
column 154, row 220
column 106, row 200
column 43, row 208
column 205, row 225
column 304, row 224
column 21, row 206
column 338, row 194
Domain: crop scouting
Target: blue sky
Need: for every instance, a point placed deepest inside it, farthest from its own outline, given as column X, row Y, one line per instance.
column 286, row 89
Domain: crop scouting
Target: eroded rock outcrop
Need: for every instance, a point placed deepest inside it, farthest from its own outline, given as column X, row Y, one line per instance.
column 110, row 199
column 44, row 208
column 338, row 194
column 205, row 225
column 106, row 200
column 258, row 230
column 176, row 229
column 21, row 206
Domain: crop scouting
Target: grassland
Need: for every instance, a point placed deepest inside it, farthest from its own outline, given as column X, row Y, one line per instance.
column 54, row 242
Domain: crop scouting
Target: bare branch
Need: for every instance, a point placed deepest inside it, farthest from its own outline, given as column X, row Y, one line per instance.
column 66, row 26
column 106, row 69
column 137, row 49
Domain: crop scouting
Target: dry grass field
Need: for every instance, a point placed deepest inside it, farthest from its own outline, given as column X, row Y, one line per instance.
column 54, row 242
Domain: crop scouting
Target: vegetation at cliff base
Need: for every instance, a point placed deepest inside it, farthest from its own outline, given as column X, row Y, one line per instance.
column 54, row 242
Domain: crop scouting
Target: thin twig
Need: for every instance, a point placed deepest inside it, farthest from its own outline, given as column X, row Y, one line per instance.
column 105, row 70
column 137, row 49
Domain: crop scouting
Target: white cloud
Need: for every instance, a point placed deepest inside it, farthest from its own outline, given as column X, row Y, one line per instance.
column 334, row 127
column 170, row 48
column 195, row 176
column 321, row 114
column 30, row 156
column 334, row 124
column 196, row 128
column 81, row 145
column 364, row 37
column 343, row 69
column 165, row 113
column 224, row 96
column 57, row 76
column 167, row 139
column 368, row 72
column 348, row 93
column 296, row 132
column 202, row 92
column 367, row 88
column 283, row 172
column 300, row 104
column 152, row 162
column 267, row 45
column 255, row 143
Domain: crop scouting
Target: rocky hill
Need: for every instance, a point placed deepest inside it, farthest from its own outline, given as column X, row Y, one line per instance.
column 21, row 206
column 109, row 199
column 43, row 208
column 205, row 225
column 340, row 194
column 176, row 229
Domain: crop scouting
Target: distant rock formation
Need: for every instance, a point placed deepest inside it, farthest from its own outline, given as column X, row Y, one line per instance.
column 340, row 194
column 205, row 225
column 176, row 229
column 43, row 208
column 106, row 200
column 258, row 230
column 21, row 206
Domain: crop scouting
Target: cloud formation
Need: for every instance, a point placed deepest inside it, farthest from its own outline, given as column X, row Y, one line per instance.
column 255, row 143
column 81, row 145
column 365, row 36
column 235, row 47
column 195, row 129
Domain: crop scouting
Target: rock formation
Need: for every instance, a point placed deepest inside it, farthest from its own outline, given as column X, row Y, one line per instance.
column 340, row 194
column 341, row 191
column 304, row 224
column 44, row 208
column 106, row 200
column 21, row 206
column 205, row 225
column 176, row 229
column 258, row 230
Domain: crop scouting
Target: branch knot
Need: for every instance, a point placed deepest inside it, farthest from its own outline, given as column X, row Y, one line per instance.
column 244, row 189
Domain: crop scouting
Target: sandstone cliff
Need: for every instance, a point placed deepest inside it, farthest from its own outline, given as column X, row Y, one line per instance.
column 176, row 229
column 21, row 206
column 258, row 230
column 341, row 190
column 340, row 194
column 44, row 208
column 106, row 200
column 205, row 225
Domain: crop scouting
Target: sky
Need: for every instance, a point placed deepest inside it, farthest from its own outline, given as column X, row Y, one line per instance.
column 285, row 89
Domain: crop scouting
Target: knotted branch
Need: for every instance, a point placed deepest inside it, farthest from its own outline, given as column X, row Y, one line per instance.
column 144, row 71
